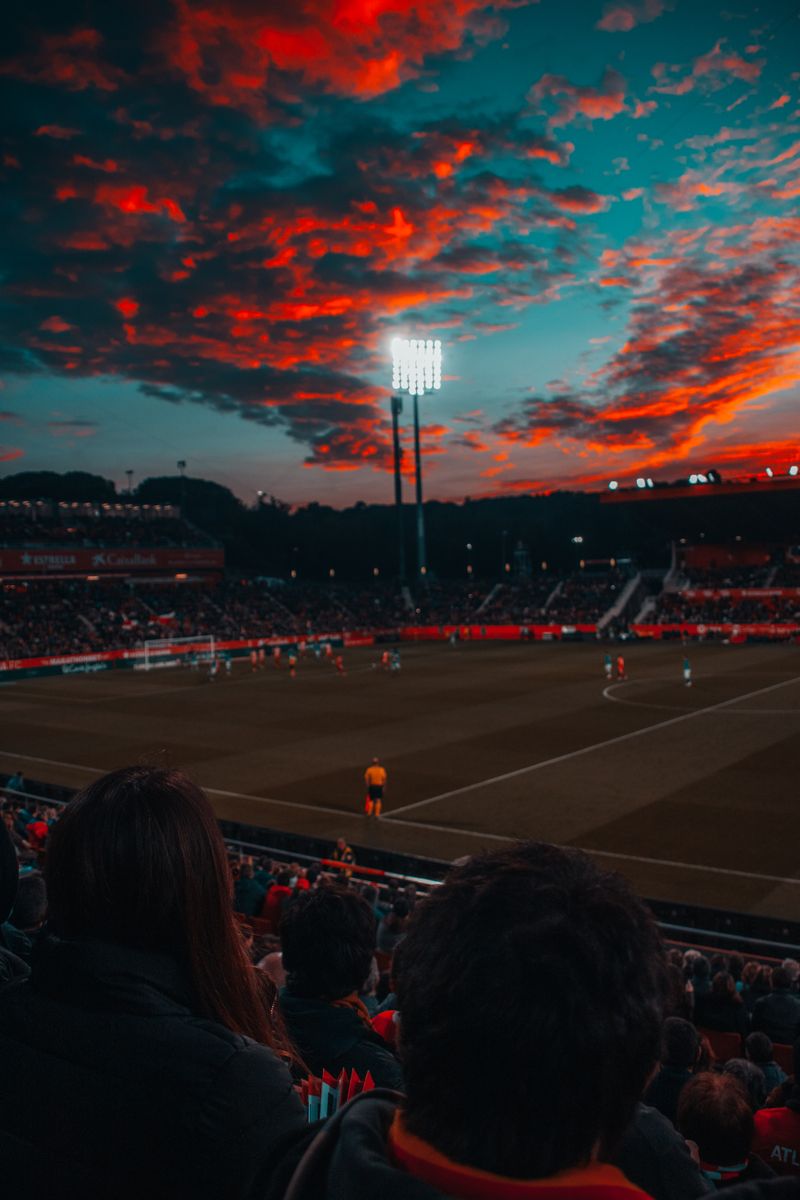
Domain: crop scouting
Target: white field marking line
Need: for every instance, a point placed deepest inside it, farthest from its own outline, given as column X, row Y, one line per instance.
column 342, row 814
column 624, row 737
column 656, row 862
column 53, row 762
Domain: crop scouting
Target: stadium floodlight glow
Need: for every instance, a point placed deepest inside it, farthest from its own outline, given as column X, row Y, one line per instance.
column 702, row 479
column 793, row 469
column 641, row 483
column 612, row 485
column 416, row 365
column 649, row 483
column 692, row 479
column 770, row 472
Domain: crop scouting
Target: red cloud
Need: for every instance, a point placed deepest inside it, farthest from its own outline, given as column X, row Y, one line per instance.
column 624, row 15
column 136, row 199
column 233, row 54
column 72, row 61
column 9, row 453
column 597, row 103
column 60, row 132
column 714, row 69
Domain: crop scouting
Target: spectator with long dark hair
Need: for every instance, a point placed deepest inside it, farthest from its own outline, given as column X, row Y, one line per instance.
column 141, row 1059
column 722, row 1008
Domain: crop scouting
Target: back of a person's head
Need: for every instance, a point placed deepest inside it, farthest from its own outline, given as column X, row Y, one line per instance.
column 751, row 1078
column 758, row 1048
column 680, row 1044
column 537, row 979
column 30, row 906
column 328, row 939
column 137, row 859
column 780, row 978
column 723, row 985
column 701, row 967
column 714, row 1112
column 792, row 968
column 283, row 878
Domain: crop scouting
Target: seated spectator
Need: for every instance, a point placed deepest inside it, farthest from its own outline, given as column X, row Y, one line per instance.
column 22, row 847
column 328, row 938
column 276, row 897
column 777, row 1130
column 680, row 993
column 11, row 965
column 655, row 1157
column 792, row 968
column 248, row 896
column 680, row 1056
column 751, row 1078
column 701, row 976
column 778, row 1014
column 36, row 831
column 27, row 915
column 721, row 1009
column 756, row 982
column 759, row 1050
column 367, row 995
column 531, row 996
column 392, row 927
column 715, row 1114
column 140, row 1059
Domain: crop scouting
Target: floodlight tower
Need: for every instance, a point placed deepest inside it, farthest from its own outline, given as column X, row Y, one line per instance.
column 417, row 368
column 397, row 408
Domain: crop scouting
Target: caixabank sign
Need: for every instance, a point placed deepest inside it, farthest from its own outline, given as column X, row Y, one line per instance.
column 56, row 560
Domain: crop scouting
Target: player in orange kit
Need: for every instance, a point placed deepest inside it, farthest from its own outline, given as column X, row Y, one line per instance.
column 620, row 667
column 339, row 664
column 375, row 779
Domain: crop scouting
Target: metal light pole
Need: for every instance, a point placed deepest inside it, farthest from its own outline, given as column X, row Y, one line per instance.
column 397, row 408
column 417, row 368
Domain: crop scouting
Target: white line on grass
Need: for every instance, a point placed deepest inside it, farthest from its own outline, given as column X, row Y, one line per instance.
column 342, row 814
column 624, row 737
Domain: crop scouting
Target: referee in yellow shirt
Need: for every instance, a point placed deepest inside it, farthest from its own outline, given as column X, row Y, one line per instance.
column 375, row 779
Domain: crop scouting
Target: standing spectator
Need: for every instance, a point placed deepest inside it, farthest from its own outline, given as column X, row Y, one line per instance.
column 778, row 1015
column 714, row 1113
column 11, row 966
column 276, row 898
column 759, row 1050
column 777, row 1130
column 328, row 937
column 680, row 1055
column 140, row 1058
column 342, row 853
column 392, row 927
column 701, row 976
column 757, row 982
column 722, row 1008
column 248, row 895
column 22, row 847
column 16, row 783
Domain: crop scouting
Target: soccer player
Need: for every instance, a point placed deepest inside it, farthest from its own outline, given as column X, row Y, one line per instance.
column 620, row 667
column 394, row 662
column 276, row 656
column 339, row 664
column 254, row 660
column 687, row 673
column 385, row 660
column 292, row 664
column 262, row 656
column 375, row 779
column 608, row 666
column 228, row 658
column 213, row 668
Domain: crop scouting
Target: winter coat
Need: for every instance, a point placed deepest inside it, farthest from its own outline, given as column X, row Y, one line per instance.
column 113, row 1085
column 334, row 1037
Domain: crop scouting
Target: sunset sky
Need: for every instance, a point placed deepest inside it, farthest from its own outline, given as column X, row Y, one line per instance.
column 217, row 215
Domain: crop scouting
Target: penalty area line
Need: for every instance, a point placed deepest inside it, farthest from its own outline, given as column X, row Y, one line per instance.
column 623, row 737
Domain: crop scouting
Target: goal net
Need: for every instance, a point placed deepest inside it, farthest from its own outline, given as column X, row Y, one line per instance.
column 177, row 652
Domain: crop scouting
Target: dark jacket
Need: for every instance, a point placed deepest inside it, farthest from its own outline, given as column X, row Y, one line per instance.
column 778, row 1015
column 335, row 1038
column 656, row 1158
column 764, row 1189
column 112, row 1086
column 11, row 965
column 248, row 896
column 665, row 1089
column 720, row 1013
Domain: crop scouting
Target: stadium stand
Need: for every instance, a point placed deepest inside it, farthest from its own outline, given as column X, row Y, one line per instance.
column 32, row 524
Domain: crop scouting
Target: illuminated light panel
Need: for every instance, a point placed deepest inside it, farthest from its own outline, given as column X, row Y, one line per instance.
column 416, row 365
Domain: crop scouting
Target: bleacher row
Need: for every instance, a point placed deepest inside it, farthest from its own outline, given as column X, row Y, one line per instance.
column 204, row 1013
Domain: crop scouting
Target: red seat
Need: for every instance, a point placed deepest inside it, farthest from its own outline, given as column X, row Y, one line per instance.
column 784, row 1057
column 723, row 1045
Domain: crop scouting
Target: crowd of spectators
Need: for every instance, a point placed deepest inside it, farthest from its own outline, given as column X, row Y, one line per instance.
column 585, row 597
column 749, row 576
column 29, row 526
column 677, row 607
column 524, row 1022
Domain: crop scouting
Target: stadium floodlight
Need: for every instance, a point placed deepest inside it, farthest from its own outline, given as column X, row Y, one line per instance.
column 692, row 479
column 793, row 469
column 649, row 482
column 702, row 479
column 770, row 472
column 641, row 483
column 417, row 369
column 613, row 485
column 416, row 365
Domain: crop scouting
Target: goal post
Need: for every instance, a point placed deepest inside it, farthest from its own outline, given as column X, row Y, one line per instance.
column 175, row 652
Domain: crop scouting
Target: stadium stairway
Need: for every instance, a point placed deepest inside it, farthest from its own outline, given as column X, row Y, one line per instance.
column 621, row 603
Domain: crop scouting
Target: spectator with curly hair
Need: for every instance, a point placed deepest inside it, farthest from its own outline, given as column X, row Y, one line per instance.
column 714, row 1112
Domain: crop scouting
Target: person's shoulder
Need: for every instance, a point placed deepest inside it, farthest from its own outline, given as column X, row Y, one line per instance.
column 785, row 1188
